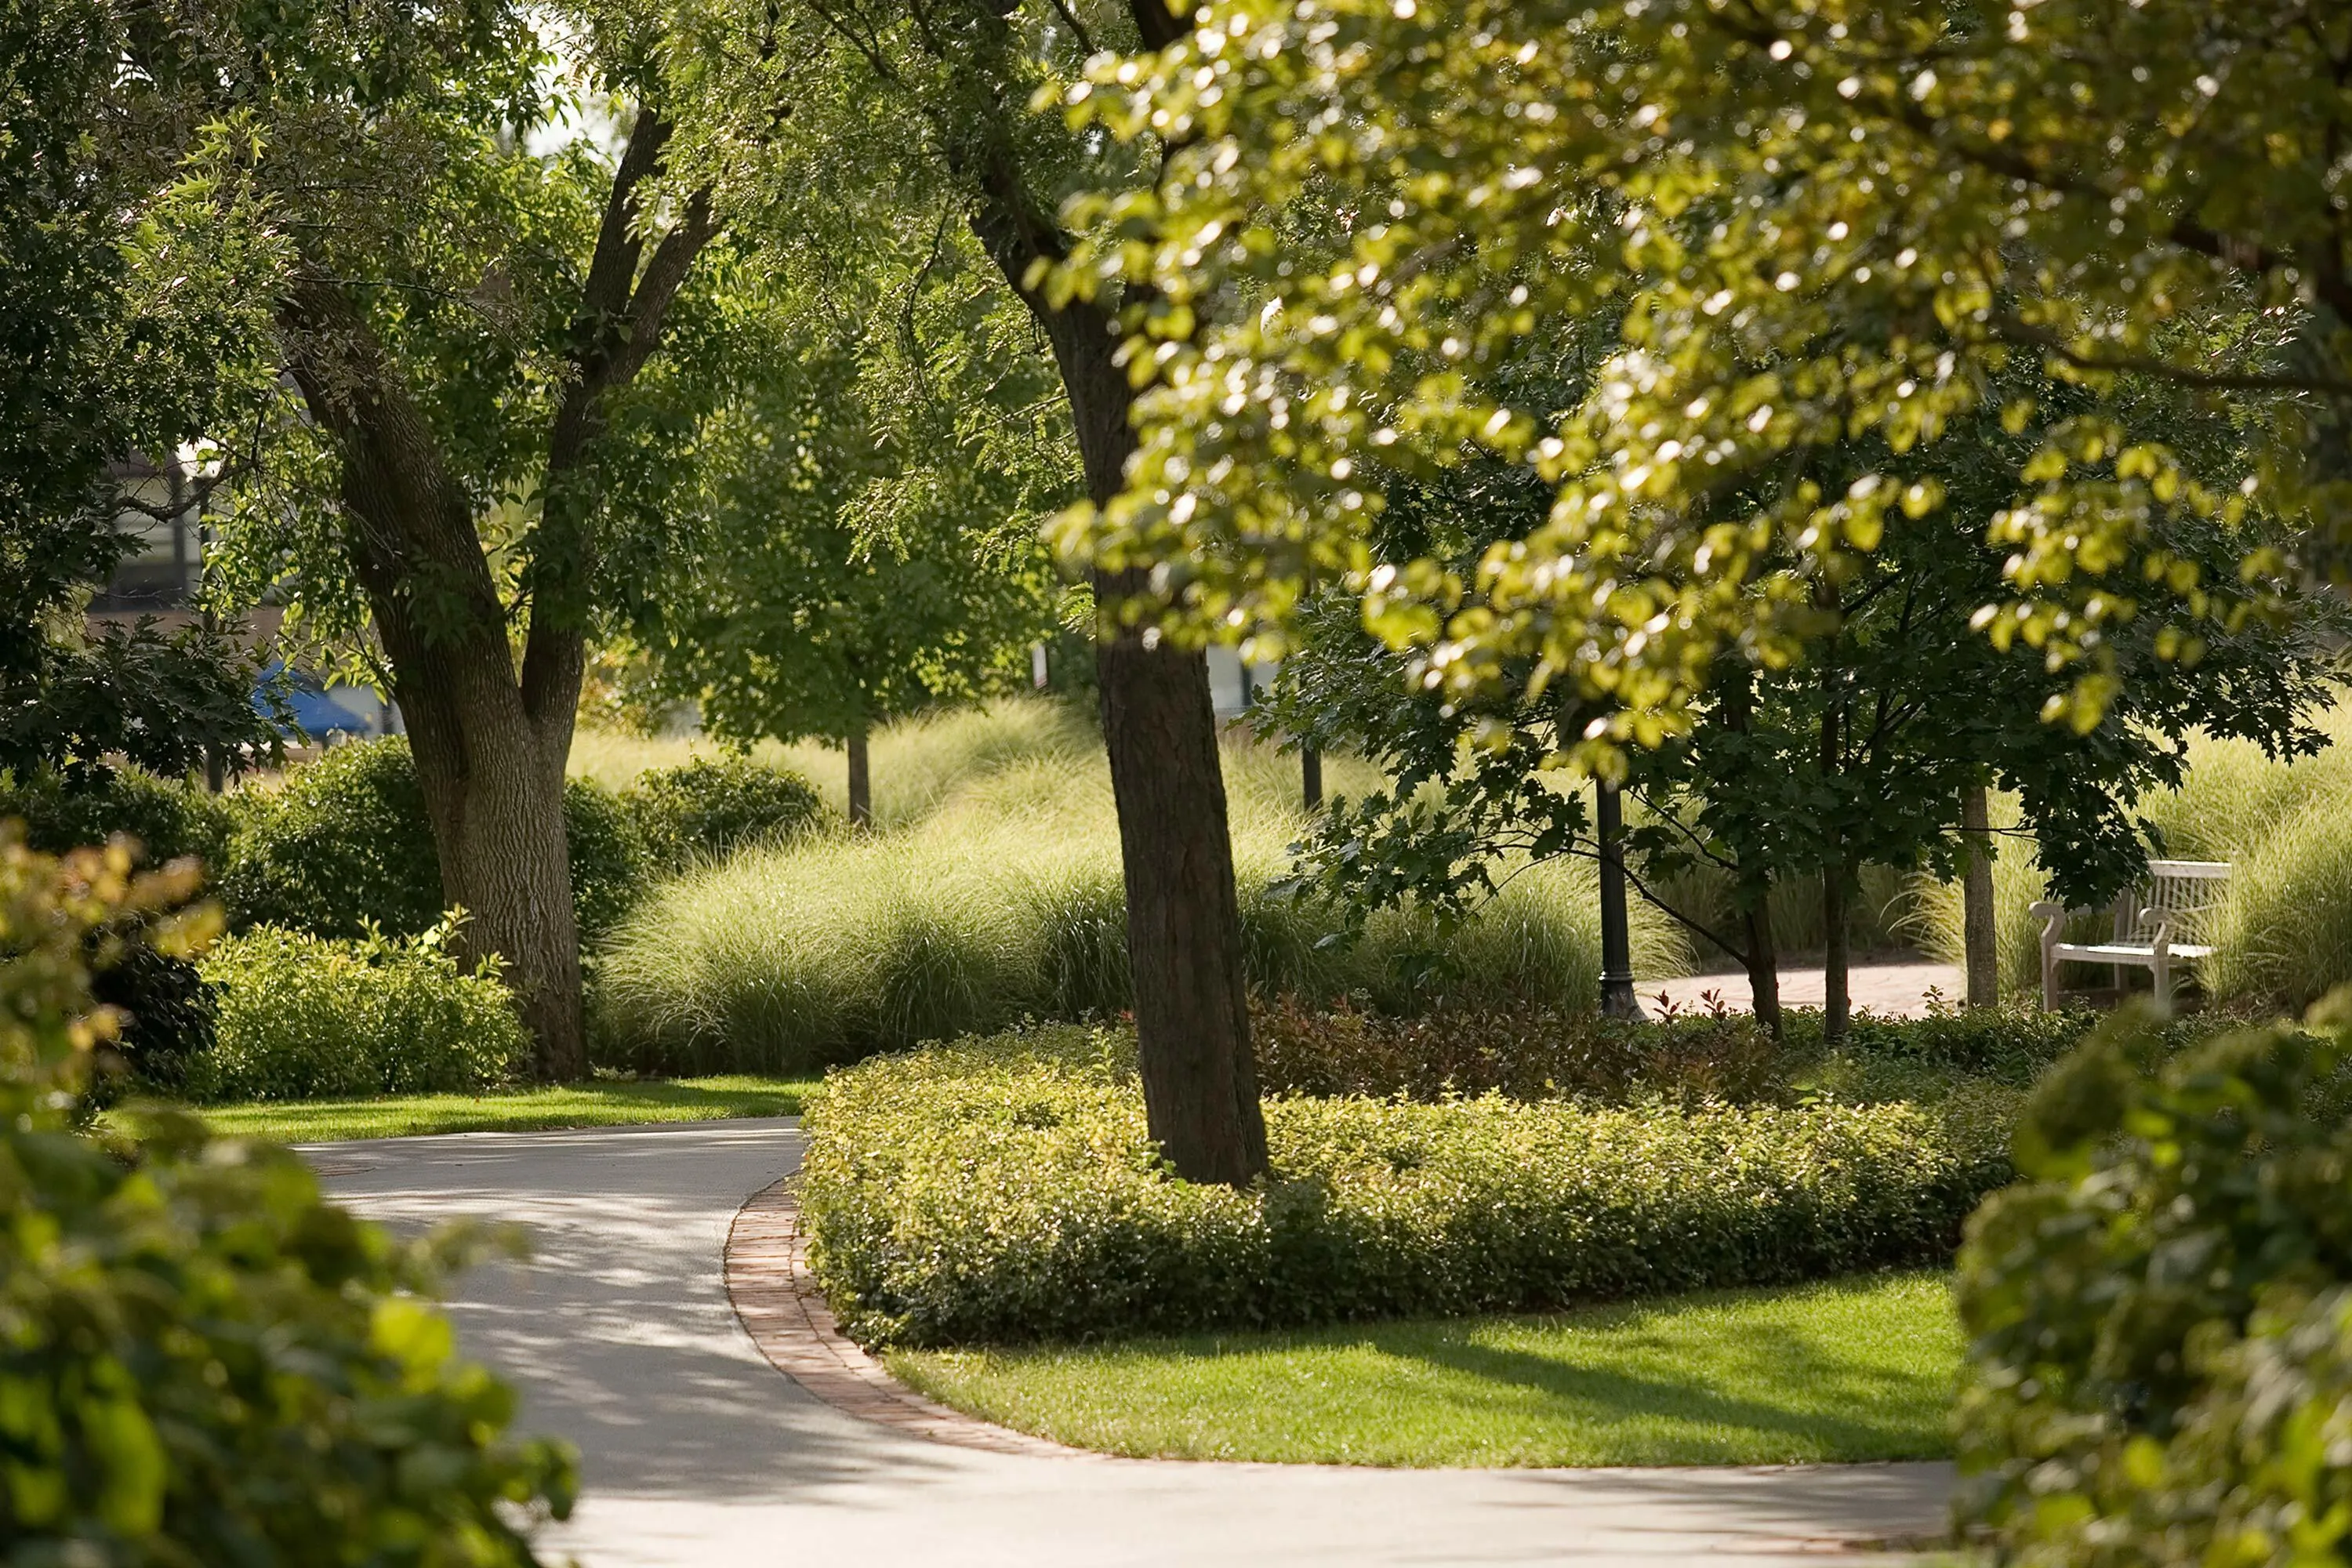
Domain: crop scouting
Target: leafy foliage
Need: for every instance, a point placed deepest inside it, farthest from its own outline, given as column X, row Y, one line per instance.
column 1527, row 1053
column 307, row 1018
column 1008, row 1189
column 346, row 844
column 868, row 547
column 200, row 1361
column 168, row 817
column 1816, row 222
column 2155, row 1370
column 95, row 367
column 708, row 808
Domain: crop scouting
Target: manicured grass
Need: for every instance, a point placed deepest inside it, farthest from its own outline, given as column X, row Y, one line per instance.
column 1860, row 1368
column 609, row 1103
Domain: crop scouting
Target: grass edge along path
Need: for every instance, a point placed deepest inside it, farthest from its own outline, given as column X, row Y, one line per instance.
column 1861, row 1368
column 604, row 1102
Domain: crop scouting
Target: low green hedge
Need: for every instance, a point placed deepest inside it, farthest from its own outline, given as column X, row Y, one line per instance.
column 301, row 1018
column 1006, row 1189
column 1526, row 1052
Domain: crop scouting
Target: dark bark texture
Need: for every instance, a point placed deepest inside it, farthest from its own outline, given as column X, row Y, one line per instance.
column 1762, row 961
column 861, row 783
column 1979, row 935
column 1837, row 955
column 1183, row 918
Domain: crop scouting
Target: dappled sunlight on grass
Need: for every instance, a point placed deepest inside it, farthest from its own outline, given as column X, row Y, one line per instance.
column 1854, row 1369
column 602, row 1104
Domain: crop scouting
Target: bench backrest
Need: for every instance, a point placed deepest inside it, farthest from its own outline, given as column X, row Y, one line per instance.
column 2181, row 892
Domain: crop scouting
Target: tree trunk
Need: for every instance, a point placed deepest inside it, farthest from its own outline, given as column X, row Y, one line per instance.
column 1836, row 958
column 1762, row 961
column 1183, row 918
column 494, row 789
column 489, row 762
column 1310, row 778
column 1979, row 932
column 861, row 783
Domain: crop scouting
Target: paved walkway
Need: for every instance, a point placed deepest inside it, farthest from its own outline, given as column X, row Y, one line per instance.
column 699, row 1455
column 1892, row 990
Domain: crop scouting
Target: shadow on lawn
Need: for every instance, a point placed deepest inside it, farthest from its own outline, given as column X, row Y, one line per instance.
column 1832, row 1408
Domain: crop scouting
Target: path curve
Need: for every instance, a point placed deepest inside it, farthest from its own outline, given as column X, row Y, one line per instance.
column 696, row 1453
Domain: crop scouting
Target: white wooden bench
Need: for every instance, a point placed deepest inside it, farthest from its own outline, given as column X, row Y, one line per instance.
column 2151, row 922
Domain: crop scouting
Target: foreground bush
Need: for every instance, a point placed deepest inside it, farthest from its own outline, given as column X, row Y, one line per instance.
column 345, row 846
column 200, row 1361
column 2159, row 1366
column 305, row 1018
column 708, row 808
column 1006, row 1189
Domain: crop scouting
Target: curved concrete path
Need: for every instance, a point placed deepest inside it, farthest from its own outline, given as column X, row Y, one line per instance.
column 697, row 1454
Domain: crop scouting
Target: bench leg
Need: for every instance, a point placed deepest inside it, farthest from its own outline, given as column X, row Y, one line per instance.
column 2163, row 967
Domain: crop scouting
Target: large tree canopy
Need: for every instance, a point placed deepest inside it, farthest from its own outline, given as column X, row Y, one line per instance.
column 1816, row 219
column 867, row 546
column 488, row 333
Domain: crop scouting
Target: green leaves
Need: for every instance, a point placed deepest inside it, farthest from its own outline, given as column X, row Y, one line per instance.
column 200, row 1360
column 2156, row 1311
column 1007, row 1189
column 1841, row 220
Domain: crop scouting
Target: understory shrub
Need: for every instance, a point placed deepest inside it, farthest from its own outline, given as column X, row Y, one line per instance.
column 344, row 845
column 168, row 816
column 1528, row 1053
column 165, row 1010
column 2158, row 1370
column 1007, row 1189
column 708, row 808
column 2013, row 1044
column 201, row 1361
column 301, row 1017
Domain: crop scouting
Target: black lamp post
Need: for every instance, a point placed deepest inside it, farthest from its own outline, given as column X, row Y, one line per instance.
column 1617, row 999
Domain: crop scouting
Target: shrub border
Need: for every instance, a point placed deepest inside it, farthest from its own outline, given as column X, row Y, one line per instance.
column 776, row 1299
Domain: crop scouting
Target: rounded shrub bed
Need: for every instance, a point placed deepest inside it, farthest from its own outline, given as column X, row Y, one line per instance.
column 708, row 808
column 298, row 1016
column 1006, row 1189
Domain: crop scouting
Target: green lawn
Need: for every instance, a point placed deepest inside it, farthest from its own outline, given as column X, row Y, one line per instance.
column 608, row 1103
column 1854, row 1369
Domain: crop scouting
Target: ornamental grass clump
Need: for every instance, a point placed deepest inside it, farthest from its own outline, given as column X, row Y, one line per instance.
column 1006, row 904
column 1006, row 1189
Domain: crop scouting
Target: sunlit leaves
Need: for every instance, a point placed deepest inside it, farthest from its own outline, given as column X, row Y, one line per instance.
column 1820, row 220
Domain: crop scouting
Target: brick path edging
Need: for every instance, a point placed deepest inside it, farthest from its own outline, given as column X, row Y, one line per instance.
column 777, row 1300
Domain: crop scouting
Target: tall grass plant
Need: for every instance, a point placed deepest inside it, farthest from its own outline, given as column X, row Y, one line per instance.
column 1003, row 902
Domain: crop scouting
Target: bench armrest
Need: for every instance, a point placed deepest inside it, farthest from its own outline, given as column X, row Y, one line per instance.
column 2051, row 914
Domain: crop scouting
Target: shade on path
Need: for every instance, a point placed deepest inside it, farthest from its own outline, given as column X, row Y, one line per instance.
column 697, row 1454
